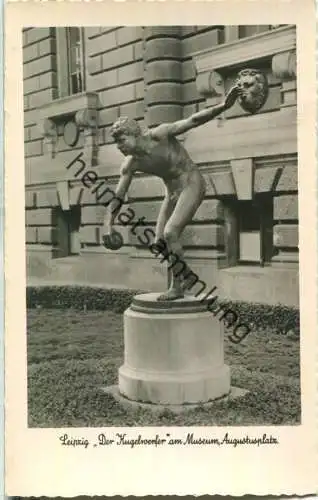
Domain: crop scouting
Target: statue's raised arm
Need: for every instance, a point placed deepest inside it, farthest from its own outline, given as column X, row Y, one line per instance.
column 197, row 119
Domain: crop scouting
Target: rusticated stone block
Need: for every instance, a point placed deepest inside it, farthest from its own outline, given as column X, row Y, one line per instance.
column 188, row 30
column 94, row 65
column 31, row 85
column 286, row 207
column 31, row 117
column 30, row 53
column 133, row 110
column 130, row 72
column 29, row 199
column 201, row 41
column 264, row 179
column 190, row 92
column 47, row 198
column 163, row 92
column 209, row 210
column 161, row 71
column 163, row 113
column 47, row 46
column 46, row 235
column 48, row 79
column 117, row 95
column 89, row 234
column 188, row 70
column 128, row 34
column 92, row 214
column 223, row 183
column 107, row 29
column 108, row 116
column 37, row 34
column 288, row 180
column 140, row 90
column 103, row 43
column 165, row 48
column 138, row 50
column 42, row 97
column 92, row 31
column 158, row 31
column 39, row 217
column 118, row 57
column 208, row 235
column 31, row 234
column 101, row 81
column 34, row 133
column 26, row 134
column 286, row 235
column 33, row 148
column 39, row 66
column 189, row 109
column 87, row 197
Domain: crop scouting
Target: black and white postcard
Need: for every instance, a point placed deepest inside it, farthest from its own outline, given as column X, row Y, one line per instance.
column 160, row 248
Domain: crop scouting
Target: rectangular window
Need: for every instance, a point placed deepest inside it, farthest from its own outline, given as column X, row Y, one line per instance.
column 67, row 231
column 70, row 60
column 249, row 231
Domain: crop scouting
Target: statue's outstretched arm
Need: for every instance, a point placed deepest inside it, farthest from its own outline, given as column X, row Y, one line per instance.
column 199, row 118
column 124, row 182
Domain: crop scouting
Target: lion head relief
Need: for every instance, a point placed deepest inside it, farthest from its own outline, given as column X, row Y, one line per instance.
column 253, row 87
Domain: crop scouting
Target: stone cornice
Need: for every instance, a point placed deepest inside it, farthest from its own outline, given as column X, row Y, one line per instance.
column 68, row 105
column 247, row 49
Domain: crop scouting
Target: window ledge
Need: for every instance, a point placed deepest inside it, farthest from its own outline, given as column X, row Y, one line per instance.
column 68, row 105
column 83, row 109
column 257, row 270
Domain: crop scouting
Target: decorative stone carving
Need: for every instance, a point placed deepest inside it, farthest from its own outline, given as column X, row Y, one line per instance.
column 284, row 65
column 79, row 107
column 242, row 171
column 49, row 132
column 86, row 119
column 71, row 133
column 253, row 87
column 274, row 47
column 210, row 84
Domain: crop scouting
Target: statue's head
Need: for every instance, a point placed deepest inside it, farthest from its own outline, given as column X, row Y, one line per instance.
column 126, row 132
column 253, row 87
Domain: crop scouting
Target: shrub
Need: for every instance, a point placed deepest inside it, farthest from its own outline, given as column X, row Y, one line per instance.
column 261, row 316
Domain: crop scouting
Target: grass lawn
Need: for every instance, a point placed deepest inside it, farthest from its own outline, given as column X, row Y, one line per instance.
column 72, row 354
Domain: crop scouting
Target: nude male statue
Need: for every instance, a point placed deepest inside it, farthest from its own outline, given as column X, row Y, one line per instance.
column 157, row 151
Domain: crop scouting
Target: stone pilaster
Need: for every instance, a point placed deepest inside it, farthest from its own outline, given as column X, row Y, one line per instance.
column 162, row 74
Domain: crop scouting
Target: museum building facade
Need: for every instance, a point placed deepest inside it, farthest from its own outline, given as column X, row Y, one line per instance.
column 78, row 81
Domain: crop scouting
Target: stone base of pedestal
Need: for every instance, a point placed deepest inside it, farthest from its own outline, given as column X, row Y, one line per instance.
column 173, row 352
column 113, row 390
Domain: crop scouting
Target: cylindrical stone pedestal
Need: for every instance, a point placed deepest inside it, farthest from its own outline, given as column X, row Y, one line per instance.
column 173, row 352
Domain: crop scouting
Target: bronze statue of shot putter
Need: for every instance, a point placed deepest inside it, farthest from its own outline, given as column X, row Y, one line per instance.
column 158, row 152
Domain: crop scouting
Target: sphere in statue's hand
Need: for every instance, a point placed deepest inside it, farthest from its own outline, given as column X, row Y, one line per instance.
column 113, row 241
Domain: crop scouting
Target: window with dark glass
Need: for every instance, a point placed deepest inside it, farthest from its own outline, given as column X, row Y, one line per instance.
column 68, row 223
column 75, row 52
column 249, row 231
column 70, row 61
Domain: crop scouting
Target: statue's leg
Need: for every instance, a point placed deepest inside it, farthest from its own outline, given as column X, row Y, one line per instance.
column 165, row 213
column 188, row 202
